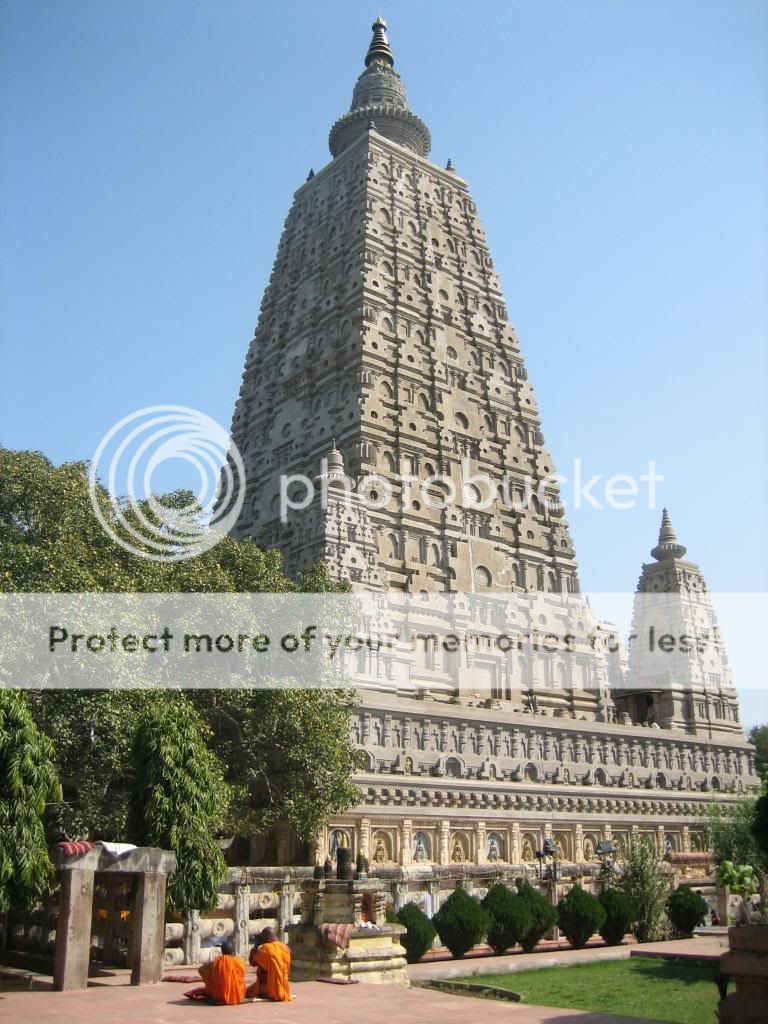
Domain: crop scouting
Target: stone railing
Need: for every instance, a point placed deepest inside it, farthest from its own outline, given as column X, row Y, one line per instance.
column 250, row 898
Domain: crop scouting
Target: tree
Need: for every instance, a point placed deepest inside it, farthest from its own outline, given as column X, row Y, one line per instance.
column 647, row 889
column 758, row 737
column 288, row 753
column 760, row 825
column 461, row 922
column 420, row 932
column 28, row 783
column 686, row 909
column 510, row 917
column 730, row 836
column 178, row 799
column 620, row 915
column 542, row 916
column 579, row 915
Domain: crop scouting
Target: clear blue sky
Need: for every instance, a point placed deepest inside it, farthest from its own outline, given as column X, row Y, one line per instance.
column 617, row 150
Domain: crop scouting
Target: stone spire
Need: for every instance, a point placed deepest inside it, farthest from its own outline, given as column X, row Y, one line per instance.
column 379, row 48
column 379, row 96
column 668, row 546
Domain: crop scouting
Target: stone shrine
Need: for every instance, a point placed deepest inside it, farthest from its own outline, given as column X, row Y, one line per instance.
column 344, row 933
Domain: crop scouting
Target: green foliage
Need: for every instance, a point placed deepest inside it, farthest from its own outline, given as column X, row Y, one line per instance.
column 730, row 836
column 461, row 922
column 542, row 914
column 51, row 541
column 760, row 825
column 647, row 889
column 179, row 798
column 579, row 915
column 758, row 737
column 420, row 935
column 94, row 732
column 686, row 909
column 28, row 783
column 619, row 916
column 510, row 917
column 739, row 878
column 288, row 753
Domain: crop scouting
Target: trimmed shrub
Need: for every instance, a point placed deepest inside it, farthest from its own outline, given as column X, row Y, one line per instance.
column 686, row 910
column 619, row 916
column 420, row 932
column 543, row 916
column 461, row 922
column 510, row 918
column 579, row 915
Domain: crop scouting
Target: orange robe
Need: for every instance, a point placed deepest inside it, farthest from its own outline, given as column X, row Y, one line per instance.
column 224, row 980
column 272, row 961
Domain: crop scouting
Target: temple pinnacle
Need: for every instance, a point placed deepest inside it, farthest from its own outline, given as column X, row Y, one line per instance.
column 379, row 96
column 667, row 546
column 379, row 49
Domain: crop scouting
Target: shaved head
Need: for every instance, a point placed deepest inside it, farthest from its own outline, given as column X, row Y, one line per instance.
column 268, row 935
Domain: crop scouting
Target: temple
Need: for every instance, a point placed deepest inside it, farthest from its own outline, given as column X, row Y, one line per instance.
column 385, row 366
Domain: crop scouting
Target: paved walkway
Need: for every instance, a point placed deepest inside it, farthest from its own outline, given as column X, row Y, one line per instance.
column 315, row 1003
column 700, row 948
column 111, row 1000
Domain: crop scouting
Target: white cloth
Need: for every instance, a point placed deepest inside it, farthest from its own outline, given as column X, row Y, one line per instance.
column 117, row 849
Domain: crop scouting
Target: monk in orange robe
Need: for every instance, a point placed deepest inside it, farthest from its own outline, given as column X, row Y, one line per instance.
column 272, row 960
column 224, row 977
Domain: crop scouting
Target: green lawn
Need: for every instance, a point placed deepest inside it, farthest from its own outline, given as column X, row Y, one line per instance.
column 655, row 989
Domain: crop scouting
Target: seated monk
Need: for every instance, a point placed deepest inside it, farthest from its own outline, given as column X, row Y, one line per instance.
column 272, row 960
column 224, row 977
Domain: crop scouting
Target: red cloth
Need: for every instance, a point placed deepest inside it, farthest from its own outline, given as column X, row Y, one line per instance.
column 335, row 934
column 198, row 995
column 74, row 849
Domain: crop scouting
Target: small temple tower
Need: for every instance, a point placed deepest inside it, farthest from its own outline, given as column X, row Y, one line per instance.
column 678, row 668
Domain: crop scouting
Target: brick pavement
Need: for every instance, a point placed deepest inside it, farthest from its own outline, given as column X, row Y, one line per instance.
column 315, row 1003
column 110, row 1000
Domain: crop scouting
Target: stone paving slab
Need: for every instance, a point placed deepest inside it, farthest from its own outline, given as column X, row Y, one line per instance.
column 315, row 1003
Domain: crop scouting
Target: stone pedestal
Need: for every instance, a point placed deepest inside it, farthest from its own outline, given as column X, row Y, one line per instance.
column 746, row 965
column 368, row 948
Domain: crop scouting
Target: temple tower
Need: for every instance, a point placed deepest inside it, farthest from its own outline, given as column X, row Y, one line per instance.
column 384, row 326
column 678, row 667
column 385, row 373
